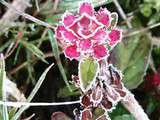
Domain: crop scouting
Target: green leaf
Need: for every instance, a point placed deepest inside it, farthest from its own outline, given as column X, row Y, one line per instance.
column 125, row 117
column 146, row 9
column 5, row 45
column 87, row 72
column 152, row 105
column 64, row 92
column 12, row 112
column 98, row 112
column 32, row 94
column 17, row 53
column 2, row 74
column 4, row 109
column 56, row 54
column 119, row 110
column 155, row 18
column 35, row 50
column 132, row 58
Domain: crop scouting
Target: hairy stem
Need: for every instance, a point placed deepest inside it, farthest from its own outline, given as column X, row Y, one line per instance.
column 130, row 103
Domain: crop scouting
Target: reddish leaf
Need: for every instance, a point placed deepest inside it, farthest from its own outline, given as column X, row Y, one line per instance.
column 86, row 115
column 59, row 116
column 85, row 101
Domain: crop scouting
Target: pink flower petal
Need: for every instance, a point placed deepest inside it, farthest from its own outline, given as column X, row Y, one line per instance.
column 100, row 36
column 94, row 25
column 84, row 33
column 87, row 8
column 99, row 51
column 58, row 31
column 103, row 16
column 84, row 22
column 69, row 36
column 71, row 52
column 114, row 36
column 74, row 28
column 87, row 27
column 85, row 44
column 68, row 19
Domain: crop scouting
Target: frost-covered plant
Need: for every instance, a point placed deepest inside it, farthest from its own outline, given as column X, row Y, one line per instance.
column 87, row 33
column 89, row 36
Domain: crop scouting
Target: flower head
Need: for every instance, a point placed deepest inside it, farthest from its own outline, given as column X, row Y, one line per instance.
column 86, row 33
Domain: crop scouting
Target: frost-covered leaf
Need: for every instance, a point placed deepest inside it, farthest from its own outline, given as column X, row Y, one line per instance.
column 131, row 56
column 87, row 72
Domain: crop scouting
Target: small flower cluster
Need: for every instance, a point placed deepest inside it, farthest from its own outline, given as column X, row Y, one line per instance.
column 87, row 33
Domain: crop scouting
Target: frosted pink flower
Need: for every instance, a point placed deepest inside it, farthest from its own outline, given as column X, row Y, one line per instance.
column 86, row 33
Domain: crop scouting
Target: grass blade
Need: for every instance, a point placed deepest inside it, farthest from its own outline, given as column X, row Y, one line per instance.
column 56, row 53
column 5, row 115
column 32, row 94
column 35, row 50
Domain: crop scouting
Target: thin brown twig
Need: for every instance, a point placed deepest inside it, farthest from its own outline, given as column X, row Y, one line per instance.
column 30, row 117
column 142, row 30
column 122, row 13
column 151, row 63
column 42, row 36
column 156, row 41
column 55, row 6
column 27, row 16
column 22, row 65
column 37, row 5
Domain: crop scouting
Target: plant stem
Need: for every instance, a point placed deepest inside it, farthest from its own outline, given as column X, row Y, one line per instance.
column 130, row 103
